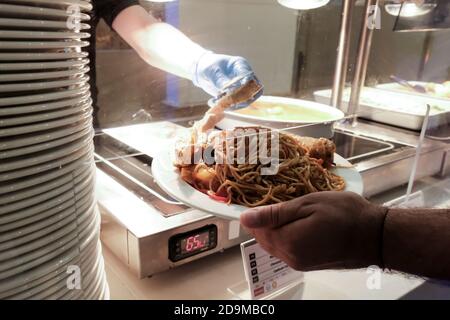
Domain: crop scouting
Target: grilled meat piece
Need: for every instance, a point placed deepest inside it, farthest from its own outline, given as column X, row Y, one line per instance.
column 322, row 149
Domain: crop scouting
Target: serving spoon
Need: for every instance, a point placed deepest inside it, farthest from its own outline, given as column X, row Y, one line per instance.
column 416, row 87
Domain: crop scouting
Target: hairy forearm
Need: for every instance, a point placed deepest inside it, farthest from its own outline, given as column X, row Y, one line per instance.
column 417, row 241
column 159, row 44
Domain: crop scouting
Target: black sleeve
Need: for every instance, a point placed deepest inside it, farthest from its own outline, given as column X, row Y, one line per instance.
column 110, row 9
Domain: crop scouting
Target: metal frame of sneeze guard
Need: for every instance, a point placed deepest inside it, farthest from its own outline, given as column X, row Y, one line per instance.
column 415, row 199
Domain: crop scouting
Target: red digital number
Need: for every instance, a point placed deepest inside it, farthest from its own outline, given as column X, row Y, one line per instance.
column 190, row 244
column 198, row 243
column 194, row 243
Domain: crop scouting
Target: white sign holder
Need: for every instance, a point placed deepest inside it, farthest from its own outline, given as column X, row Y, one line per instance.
column 267, row 278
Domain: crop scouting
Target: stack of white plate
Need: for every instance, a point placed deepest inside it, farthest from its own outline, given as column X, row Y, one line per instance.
column 49, row 224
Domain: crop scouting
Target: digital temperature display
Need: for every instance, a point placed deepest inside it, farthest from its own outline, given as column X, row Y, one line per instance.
column 188, row 244
column 195, row 242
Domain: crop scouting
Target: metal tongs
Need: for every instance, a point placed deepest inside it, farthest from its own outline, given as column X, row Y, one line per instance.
column 227, row 89
column 229, row 98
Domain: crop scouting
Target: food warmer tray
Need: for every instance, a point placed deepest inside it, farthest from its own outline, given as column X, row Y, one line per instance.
column 395, row 108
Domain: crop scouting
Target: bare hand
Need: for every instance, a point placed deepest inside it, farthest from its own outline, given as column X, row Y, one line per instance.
column 324, row 230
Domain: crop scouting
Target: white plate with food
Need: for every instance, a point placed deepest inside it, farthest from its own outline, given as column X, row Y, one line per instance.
column 228, row 190
column 42, row 56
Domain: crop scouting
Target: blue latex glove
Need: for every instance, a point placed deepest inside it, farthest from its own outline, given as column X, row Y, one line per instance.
column 214, row 71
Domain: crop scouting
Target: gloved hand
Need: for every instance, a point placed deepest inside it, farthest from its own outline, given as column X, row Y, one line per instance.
column 213, row 71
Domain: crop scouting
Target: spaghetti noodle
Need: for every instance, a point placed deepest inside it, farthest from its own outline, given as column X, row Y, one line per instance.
column 242, row 182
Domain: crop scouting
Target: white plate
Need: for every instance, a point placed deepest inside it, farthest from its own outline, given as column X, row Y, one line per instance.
column 56, row 266
column 24, row 289
column 42, row 35
column 28, row 99
column 55, row 204
column 44, row 116
column 45, row 235
column 169, row 179
column 16, row 258
column 29, row 202
column 12, row 77
column 45, row 227
column 93, row 270
column 36, row 230
column 57, row 3
column 77, row 63
column 29, row 11
column 45, row 146
column 44, row 156
column 40, row 56
column 41, row 188
column 38, row 24
column 81, row 150
column 93, row 283
column 17, row 286
column 28, row 45
column 44, row 255
column 47, row 211
column 42, row 85
column 85, row 160
column 31, row 139
column 22, row 255
column 56, row 289
column 23, row 226
column 14, row 131
column 47, row 106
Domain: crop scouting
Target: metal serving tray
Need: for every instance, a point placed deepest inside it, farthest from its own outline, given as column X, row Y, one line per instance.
column 395, row 108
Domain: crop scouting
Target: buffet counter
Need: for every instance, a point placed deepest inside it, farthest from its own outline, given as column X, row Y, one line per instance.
column 210, row 277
